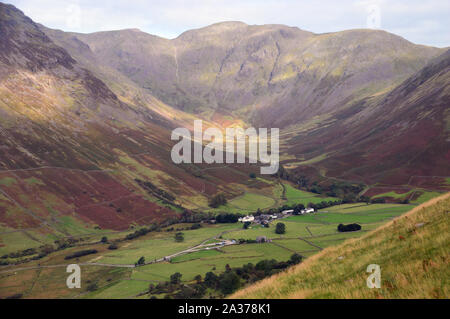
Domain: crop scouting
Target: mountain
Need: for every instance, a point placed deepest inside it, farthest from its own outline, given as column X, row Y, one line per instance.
column 270, row 74
column 412, row 252
column 86, row 119
column 315, row 87
column 400, row 137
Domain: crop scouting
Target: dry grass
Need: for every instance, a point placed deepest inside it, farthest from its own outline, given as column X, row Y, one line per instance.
column 413, row 258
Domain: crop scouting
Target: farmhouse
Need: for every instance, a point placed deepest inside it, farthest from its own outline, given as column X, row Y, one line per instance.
column 246, row 219
column 307, row 211
column 289, row 211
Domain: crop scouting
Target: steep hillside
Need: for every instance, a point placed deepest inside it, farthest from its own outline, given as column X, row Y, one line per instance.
column 412, row 251
column 386, row 138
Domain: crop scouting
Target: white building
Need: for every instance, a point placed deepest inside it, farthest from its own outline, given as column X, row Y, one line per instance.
column 274, row 216
column 307, row 211
column 246, row 219
column 289, row 211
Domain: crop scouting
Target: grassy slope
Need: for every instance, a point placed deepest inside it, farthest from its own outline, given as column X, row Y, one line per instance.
column 413, row 260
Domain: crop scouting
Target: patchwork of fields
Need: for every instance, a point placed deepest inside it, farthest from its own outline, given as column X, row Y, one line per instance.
column 305, row 235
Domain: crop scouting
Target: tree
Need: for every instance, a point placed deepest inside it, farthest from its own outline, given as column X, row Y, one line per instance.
column 280, row 228
column 349, row 227
column 229, row 282
column 141, row 261
column 179, row 237
column 211, row 279
column 104, row 239
column 175, row 278
column 295, row 259
column 298, row 208
column 198, row 279
column 246, row 225
column 252, row 175
column 113, row 246
column 227, row 218
column 92, row 287
column 218, row 200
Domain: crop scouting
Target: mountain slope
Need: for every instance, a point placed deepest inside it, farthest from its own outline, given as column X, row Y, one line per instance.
column 71, row 149
column 412, row 251
column 315, row 87
column 389, row 137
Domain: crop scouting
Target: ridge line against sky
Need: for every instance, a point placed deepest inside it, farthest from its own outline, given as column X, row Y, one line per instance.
column 421, row 22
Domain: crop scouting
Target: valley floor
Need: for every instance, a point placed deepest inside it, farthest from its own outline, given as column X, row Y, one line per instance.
column 114, row 274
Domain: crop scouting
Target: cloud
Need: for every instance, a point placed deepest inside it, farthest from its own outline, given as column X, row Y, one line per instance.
column 424, row 22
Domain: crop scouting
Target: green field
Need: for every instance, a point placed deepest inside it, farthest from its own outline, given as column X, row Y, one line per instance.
column 305, row 234
column 164, row 245
column 251, row 202
column 235, row 256
column 425, row 196
column 297, row 196
column 270, row 197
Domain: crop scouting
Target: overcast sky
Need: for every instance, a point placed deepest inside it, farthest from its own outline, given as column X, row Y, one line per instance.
column 420, row 21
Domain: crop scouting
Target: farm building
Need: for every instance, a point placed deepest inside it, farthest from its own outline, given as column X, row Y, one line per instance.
column 261, row 239
column 307, row 211
column 247, row 219
column 289, row 211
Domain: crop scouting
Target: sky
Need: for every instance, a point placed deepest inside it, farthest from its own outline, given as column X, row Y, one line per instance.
column 419, row 21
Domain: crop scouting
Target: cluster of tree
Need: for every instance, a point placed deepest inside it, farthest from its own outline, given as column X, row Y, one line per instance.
column 378, row 201
column 349, row 227
column 141, row 232
column 218, row 200
column 174, row 289
column 64, row 243
column 192, row 227
column 155, row 190
column 227, row 218
column 179, row 237
column 81, row 253
column 21, row 253
column 346, row 191
column 225, row 283
column 140, row 262
column 188, row 216
column 113, row 246
column 196, row 226
column 93, row 286
column 325, row 204
column 246, row 241
column 280, row 228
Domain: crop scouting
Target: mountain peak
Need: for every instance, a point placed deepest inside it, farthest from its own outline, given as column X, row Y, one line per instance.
column 23, row 44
